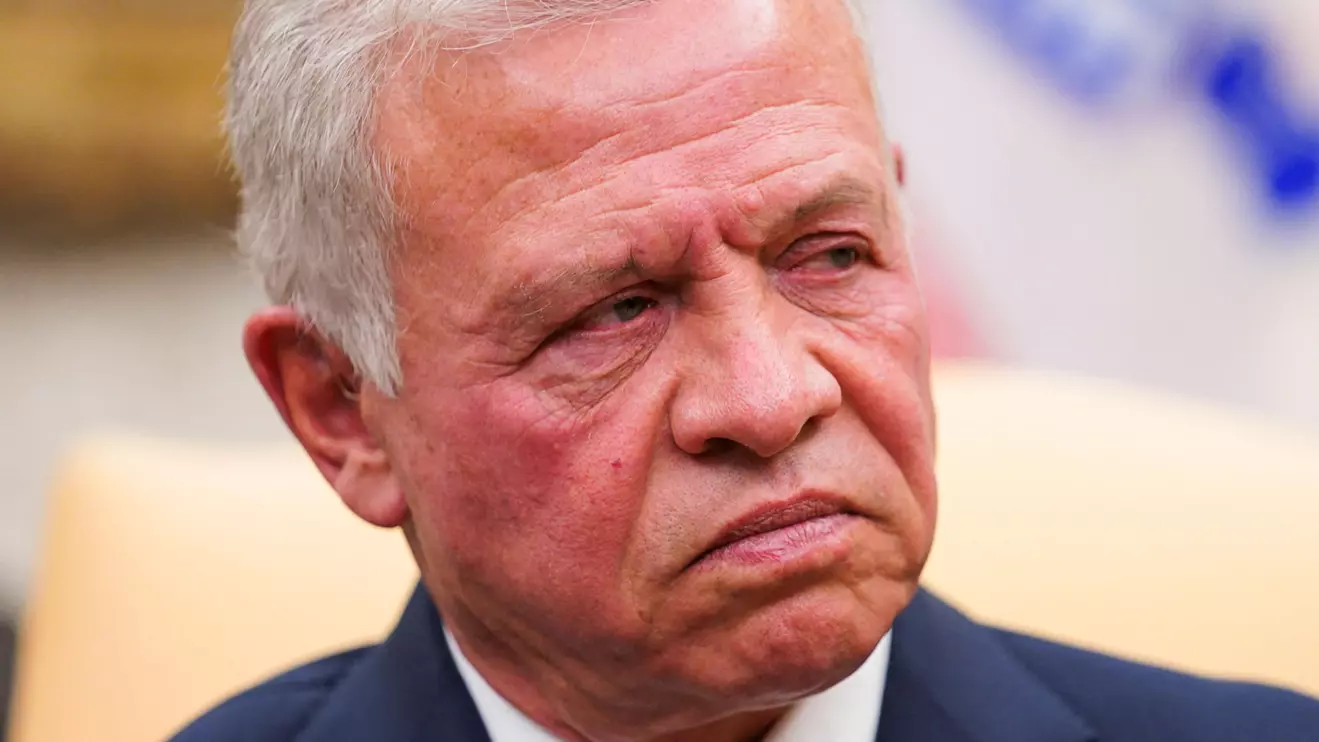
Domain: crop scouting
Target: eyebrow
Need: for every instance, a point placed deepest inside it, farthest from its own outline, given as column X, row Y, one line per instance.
column 530, row 299
column 533, row 297
column 847, row 191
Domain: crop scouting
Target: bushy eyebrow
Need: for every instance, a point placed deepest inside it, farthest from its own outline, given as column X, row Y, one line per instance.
column 847, row 191
column 533, row 297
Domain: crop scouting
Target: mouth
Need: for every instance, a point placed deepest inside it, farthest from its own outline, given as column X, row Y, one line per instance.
column 780, row 532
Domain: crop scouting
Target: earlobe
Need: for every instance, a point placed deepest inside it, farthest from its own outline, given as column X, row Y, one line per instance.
column 312, row 384
column 367, row 485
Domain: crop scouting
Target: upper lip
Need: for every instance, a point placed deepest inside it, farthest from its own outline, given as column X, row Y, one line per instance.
column 772, row 516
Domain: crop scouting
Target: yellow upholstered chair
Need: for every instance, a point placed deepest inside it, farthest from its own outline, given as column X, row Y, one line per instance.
column 1152, row 527
column 1159, row 529
column 173, row 575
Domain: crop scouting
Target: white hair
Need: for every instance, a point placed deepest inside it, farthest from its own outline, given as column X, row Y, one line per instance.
column 317, row 222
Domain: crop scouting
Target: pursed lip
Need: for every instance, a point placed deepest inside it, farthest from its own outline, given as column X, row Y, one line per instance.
column 773, row 516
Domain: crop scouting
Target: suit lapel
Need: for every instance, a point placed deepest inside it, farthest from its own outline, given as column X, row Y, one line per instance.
column 951, row 680
column 407, row 690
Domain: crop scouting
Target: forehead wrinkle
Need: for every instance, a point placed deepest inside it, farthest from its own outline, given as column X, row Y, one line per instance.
column 623, row 115
column 528, row 145
column 524, row 130
column 699, row 85
column 623, row 170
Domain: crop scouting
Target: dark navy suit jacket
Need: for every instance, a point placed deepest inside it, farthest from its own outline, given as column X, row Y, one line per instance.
column 950, row 680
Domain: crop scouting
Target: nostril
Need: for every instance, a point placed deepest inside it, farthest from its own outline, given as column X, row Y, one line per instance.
column 718, row 446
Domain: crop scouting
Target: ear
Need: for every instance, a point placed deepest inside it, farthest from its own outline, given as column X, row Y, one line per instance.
column 316, row 391
column 899, row 165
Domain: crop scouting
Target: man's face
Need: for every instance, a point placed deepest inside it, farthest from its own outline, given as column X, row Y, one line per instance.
column 655, row 295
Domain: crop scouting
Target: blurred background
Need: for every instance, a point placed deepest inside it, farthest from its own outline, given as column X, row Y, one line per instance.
column 1122, row 188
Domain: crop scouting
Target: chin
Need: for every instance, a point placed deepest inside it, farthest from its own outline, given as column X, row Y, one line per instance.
column 797, row 646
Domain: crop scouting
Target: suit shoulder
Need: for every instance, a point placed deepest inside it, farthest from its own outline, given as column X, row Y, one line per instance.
column 278, row 709
column 1128, row 699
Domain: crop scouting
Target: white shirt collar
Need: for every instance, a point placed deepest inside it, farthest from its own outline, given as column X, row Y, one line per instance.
column 847, row 712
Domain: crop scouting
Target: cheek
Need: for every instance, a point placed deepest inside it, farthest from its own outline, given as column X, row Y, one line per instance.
column 533, row 504
column 882, row 362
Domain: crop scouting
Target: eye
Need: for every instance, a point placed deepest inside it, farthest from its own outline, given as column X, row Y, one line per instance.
column 618, row 312
column 838, row 258
column 631, row 308
column 843, row 258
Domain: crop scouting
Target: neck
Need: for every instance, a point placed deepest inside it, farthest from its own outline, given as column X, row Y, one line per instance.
column 742, row 728
column 556, row 703
column 595, row 727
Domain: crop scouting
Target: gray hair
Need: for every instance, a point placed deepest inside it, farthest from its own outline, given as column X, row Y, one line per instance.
column 317, row 222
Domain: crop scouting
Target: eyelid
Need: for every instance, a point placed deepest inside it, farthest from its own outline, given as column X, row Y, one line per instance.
column 816, row 245
column 583, row 320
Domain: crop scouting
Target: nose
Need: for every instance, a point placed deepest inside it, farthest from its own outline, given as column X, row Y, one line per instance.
column 753, row 387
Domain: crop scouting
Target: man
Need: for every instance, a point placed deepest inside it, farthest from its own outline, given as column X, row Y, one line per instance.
column 607, row 304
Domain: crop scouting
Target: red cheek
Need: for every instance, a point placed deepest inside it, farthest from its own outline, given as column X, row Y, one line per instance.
column 538, row 481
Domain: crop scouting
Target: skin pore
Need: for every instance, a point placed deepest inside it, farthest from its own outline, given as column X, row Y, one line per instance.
column 644, row 289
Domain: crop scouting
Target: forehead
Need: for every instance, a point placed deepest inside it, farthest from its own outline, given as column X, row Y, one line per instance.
column 531, row 101
column 603, row 116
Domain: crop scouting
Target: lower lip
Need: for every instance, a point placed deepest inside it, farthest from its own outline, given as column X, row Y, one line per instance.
column 793, row 543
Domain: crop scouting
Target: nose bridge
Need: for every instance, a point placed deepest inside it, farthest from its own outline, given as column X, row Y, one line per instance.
column 754, row 381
